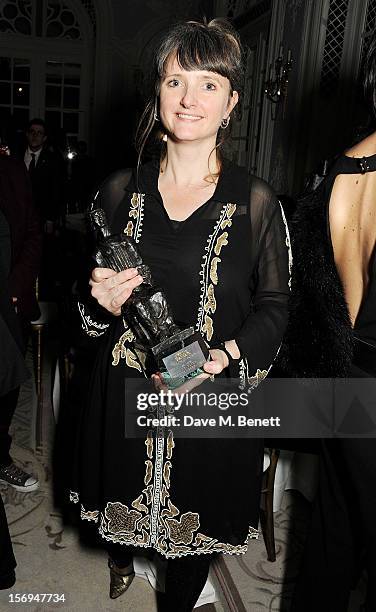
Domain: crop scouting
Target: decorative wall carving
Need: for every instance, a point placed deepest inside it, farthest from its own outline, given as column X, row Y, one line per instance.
column 60, row 21
column 50, row 18
column 16, row 16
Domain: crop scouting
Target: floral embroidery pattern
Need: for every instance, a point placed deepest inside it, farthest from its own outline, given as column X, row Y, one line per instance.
column 89, row 515
column 181, row 532
column 129, row 229
column 247, row 381
column 136, row 212
column 213, row 270
column 74, row 497
column 175, row 534
column 89, row 326
column 255, row 380
column 121, row 351
column 221, row 242
column 209, row 271
column 120, row 519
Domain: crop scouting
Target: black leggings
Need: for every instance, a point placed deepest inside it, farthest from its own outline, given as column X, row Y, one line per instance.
column 185, row 577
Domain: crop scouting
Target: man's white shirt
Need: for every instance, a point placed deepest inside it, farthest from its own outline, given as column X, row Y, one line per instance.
column 28, row 158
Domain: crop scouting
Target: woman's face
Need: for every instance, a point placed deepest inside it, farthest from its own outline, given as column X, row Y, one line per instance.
column 194, row 102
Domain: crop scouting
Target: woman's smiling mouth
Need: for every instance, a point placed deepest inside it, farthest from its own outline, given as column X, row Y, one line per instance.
column 188, row 117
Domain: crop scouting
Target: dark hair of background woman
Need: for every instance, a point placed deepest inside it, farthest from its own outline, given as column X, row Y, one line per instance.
column 369, row 80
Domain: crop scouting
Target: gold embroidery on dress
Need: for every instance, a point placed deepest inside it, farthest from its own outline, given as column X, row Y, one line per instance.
column 251, row 382
column 149, row 471
column 213, row 270
column 170, row 444
column 255, row 380
column 164, row 495
column 181, row 531
column 209, row 271
column 136, row 212
column 74, row 497
column 166, row 473
column 170, row 511
column 176, row 532
column 131, row 360
column 137, row 503
column 129, row 229
column 89, row 515
column 120, row 519
column 210, row 303
column 221, row 242
column 207, row 328
column 91, row 327
column 119, row 350
column 231, row 208
column 149, row 444
column 135, row 203
column 143, row 526
column 149, row 494
column 202, row 539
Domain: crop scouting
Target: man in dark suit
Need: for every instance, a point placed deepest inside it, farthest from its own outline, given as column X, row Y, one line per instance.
column 20, row 258
column 46, row 172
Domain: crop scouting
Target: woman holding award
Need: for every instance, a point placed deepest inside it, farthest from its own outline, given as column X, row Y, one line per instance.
column 215, row 241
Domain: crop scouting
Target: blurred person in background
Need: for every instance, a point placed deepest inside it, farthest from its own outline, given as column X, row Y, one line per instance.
column 20, row 260
column 46, row 173
column 332, row 334
column 13, row 373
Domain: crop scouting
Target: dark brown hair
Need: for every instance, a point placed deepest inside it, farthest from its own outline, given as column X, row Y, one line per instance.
column 213, row 46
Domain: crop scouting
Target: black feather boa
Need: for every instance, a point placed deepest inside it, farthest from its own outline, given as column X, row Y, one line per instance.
column 319, row 336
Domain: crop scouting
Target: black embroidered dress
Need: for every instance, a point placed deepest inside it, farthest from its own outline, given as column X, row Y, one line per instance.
column 225, row 270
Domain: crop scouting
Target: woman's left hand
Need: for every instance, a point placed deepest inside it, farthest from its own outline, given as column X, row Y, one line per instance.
column 218, row 362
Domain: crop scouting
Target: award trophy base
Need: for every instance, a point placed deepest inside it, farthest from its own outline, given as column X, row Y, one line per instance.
column 180, row 357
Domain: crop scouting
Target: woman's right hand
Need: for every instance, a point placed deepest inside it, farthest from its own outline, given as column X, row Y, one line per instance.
column 111, row 289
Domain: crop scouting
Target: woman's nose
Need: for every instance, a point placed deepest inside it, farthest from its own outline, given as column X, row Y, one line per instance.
column 189, row 97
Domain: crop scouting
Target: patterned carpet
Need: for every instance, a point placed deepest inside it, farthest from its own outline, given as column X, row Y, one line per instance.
column 52, row 559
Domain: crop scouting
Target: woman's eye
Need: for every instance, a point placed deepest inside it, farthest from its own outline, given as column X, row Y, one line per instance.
column 173, row 83
column 209, row 86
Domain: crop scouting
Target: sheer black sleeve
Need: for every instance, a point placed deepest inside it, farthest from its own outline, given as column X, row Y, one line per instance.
column 261, row 334
column 95, row 320
column 111, row 193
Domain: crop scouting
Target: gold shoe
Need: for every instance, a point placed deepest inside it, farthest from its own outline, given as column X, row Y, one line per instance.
column 120, row 579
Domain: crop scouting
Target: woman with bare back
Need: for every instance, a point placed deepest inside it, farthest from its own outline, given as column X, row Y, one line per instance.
column 332, row 333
